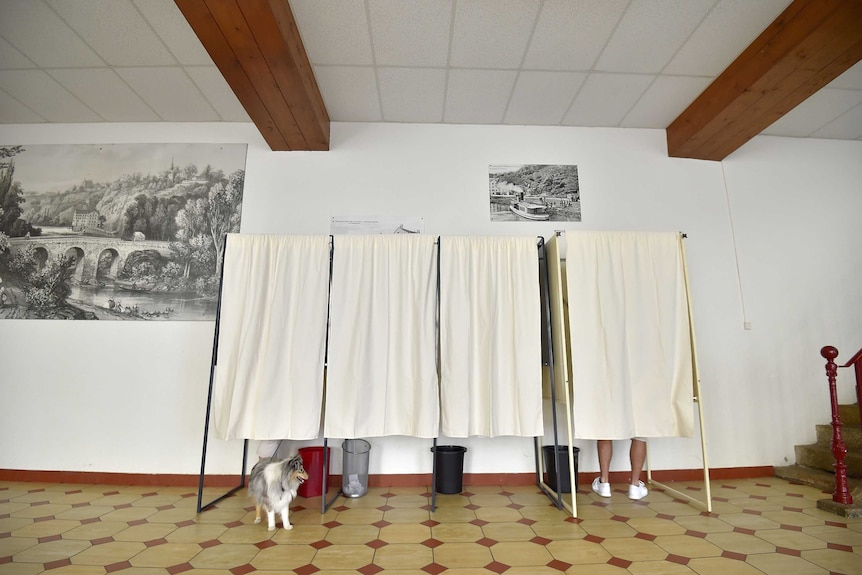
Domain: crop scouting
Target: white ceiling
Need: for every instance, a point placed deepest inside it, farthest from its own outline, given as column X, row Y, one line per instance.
column 625, row 63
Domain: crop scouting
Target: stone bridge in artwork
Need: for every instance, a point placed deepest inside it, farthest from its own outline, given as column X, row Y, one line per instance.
column 86, row 251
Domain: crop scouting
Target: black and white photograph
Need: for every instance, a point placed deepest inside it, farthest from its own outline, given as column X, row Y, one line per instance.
column 347, row 225
column 116, row 232
column 534, row 193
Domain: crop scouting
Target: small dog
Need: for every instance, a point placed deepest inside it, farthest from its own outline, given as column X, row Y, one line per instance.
column 273, row 484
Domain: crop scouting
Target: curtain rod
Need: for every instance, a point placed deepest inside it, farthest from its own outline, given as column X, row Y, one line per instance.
column 558, row 233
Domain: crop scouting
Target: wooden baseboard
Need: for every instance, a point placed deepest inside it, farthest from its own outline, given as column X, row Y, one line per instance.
column 393, row 480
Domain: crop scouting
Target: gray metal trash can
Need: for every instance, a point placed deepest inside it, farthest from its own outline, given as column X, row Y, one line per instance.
column 354, row 469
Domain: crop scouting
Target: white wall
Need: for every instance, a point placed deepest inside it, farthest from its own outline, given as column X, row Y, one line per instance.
column 778, row 246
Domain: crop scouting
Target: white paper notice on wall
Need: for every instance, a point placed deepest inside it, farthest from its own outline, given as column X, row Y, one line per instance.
column 376, row 225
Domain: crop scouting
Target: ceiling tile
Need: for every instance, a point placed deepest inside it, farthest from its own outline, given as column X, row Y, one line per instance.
column 412, row 94
column 115, row 30
column 106, row 93
column 722, row 36
column 410, row 32
column 334, row 31
column 663, row 101
column 349, row 92
column 814, row 113
column 847, row 126
column 544, row 62
column 14, row 112
column 478, row 96
column 605, row 99
column 12, row 59
column 570, row 35
column 170, row 93
column 38, row 33
column 218, row 93
column 542, row 98
column 650, row 33
column 485, row 36
column 45, row 96
column 171, row 26
column 849, row 80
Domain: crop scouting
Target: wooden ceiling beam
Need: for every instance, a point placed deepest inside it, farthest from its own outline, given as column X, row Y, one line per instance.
column 810, row 44
column 257, row 47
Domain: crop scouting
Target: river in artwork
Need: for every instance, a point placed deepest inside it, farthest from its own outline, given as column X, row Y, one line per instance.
column 145, row 304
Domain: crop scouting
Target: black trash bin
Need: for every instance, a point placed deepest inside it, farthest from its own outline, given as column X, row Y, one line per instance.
column 561, row 462
column 449, row 461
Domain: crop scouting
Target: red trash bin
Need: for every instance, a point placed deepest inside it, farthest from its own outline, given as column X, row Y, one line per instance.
column 312, row 460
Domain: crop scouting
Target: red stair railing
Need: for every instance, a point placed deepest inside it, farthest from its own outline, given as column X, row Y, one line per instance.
column 839, row 448
column 856, row 362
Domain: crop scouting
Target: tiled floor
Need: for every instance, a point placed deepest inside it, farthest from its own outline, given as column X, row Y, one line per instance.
column 763, row 525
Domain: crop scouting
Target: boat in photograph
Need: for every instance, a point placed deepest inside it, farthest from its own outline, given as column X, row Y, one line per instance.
column 530, row 211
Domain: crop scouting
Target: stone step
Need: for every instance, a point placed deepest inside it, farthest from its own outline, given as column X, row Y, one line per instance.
column 825, row 482
column 820, row 457
column 849, row 414
column 822, row 480
column 852, row 435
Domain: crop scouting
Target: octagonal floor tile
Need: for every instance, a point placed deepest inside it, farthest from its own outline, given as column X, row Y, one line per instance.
column 196, row 533
column 10, row 546
column 227, row 556
column 166, row 555
column 343, row 557
column 608, row 528
column 403, row 556
column 457, row 532
column 352, row 534
column 777, row 564
column 578, row 552
column 740, row 543
column 45, row 528
column 300, row 535
column 462, row 555
column 108, row 553
column 405, row 533
column 283, row 557
column 51, row 551
column 521, row 553
column 633, row 549
column 144, row 532
column 687, row 546
column 97, row 530
column 790, row 539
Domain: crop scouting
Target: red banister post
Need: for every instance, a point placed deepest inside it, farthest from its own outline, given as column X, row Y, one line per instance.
column 857, row 367
column 839, row 449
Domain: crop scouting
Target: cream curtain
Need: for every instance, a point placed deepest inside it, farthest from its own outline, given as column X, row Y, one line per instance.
column 631, row 342
column 382, row 374
column 490, row 338
column 272, row 337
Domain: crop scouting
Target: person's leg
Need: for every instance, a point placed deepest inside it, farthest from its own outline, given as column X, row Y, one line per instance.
column 637, row 456
column 606, row 452
column 601, row 485
column 267, row 448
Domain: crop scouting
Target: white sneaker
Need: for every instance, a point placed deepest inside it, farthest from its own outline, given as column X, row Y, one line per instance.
column 603, row 489
column 638, row 491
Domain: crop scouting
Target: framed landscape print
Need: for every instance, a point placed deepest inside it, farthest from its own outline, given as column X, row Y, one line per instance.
column 116, row 232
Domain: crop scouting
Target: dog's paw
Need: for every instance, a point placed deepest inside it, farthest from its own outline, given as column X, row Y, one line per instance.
column 271, row 528
column 256, row 520
column 288, row 527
